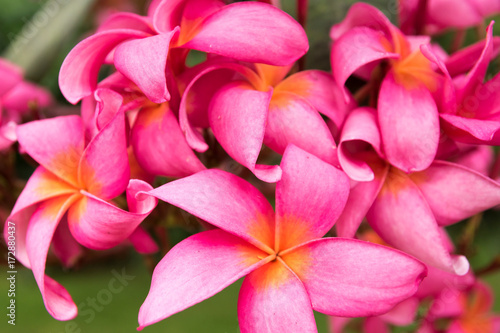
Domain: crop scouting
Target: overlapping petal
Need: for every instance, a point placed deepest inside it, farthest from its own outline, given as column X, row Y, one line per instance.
column 194, row 270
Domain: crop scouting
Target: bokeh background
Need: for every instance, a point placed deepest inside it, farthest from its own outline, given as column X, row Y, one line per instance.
column 37, row 35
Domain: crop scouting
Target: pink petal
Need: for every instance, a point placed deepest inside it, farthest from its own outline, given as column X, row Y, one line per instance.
column 241, row 133
column 361, row 198
column 38, row 238
column 55, row 143
column 463, row 60
column 199, row 91
column 100, row 225
column 272, row 299
column 356, row 48
column 78, row 75
column 166, row 14
column 403, row 218
column 123, row 20
column 226, row 201
column 470, row 130
column 11, row 76
column 375, row 325
column 351, row 278
column 292, row 120
column 309, row 198
column 159, row 145
column 455, row 192
column 251, row 32
column 402, row 314
column 409, row 125
column 449, row 13
column 319, row 89
column 104, row 169
column 108, row 104
column 360, row 132
column 361, row 14
column 196, row 269
column 144, row 62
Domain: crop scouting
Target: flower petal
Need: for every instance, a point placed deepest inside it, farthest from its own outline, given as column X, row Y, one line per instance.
column 252, row 32
column 455, row 192
column 195, row 269
column 104, row 169
column 24, row 96
column 38, row 238
column 226, row 201
column 356, row 48
column 403, row 218
column 238, row 116
column 351, row 278
column 124, row 20
column 55, row 143
column 100, row 225
column 309, row 198
column 159, row 145
column 319, row 89
column 143, row 243
column 272, row 299
column 470, row 130
column 292, row 120
column 409, row 124
column 144, row 62
column 360, row 131
column 64, row 245
column 78, row 75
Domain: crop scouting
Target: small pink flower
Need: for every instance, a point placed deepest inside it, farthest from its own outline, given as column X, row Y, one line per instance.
column 290, row 270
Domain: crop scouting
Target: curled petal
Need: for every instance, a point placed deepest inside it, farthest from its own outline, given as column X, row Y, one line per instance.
column 78, row 75
column 100, row 225
column 196, row 269
column 251, row 32
column 238, row 116
column 41, row 229
column 469, row 130
column 351, row 278
column 264, row 302
column 309, row 198
column 123, row 20
column 226, row 201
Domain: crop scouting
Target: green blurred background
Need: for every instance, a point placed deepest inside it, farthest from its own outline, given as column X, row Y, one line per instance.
column 39, row 45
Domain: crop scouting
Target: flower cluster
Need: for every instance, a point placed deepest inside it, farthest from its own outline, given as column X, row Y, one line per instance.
column 399, row 134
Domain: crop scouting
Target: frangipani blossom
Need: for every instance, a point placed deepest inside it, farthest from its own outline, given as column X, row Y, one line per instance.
column 261, row 106
column 156, row 140
column 366, row 43
column 408, row 210
column 139, row 46
column 290, row 270
column 66, row 200
column 16, row 98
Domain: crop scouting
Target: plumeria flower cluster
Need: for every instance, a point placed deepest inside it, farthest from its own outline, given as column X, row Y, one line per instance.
column 408, row 150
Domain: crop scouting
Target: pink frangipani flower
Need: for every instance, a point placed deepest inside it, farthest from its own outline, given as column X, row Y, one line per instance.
column 66, row 200
column 408, row 209
column 290, row 270
column 367, row 44
column 140, row 46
